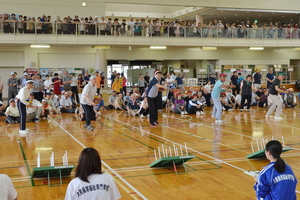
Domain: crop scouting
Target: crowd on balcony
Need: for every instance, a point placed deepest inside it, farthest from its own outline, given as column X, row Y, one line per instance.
column 142, row 27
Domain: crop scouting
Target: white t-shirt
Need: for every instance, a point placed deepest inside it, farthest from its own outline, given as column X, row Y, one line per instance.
column 65, row 102
column 48, row 83
column 89, row 91
column 34, row 107
column 100, row 187
column 7, row 190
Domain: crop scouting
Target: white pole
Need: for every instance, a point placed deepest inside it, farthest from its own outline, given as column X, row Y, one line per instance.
column 257, row 145
column 263, row 141
column 170, row 151
column 252, row 147
column 63, row 158
column 166, row 151
column 39, row 160
column 67, row 161
column 262, row 146
column 176, row 151
column 163, row 150
column 283, row 141
column 181, row 150
column 159, row 153
column 272, row 137
column 186, row 150
column 155, row 154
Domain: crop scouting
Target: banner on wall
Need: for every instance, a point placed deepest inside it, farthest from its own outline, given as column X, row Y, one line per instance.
column 80, row 71
column 32, row 70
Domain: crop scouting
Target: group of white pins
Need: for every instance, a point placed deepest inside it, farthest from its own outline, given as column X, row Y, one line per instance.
column 165, row 152
column 262, row 144
column 64, row 158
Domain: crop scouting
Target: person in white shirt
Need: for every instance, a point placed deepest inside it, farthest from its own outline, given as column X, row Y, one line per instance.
column 208, row 87
column 34, row 109
column 7, row 189
column 66, row 103
column 169, row 81
column 74, row 87
column 12, row 113
column 22, row 97
column 87, row 101
column 52, row 107
column 48, row 84
column 90, row 182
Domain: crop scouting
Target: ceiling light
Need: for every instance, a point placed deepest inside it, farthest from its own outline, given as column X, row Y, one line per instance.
column 296, row 49
column 209, row 48
column 83, row 4
column 101, row 47
column 40, row 46
column 158, row 47
column 256, row 48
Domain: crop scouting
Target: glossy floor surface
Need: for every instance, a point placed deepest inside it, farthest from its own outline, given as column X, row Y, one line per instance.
column 220, row 169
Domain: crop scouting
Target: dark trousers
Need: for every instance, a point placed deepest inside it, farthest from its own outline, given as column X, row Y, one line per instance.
column 236, row 90
column 141, row 90
column 22, row 111
column 244, row 97
column 10, row 119
column 6, row 29
column 159, row 100
column 11, row 95
column 64, row 110
column 194, row 109
column 38, row 96
column 124, row 91
column 102, row 32
column 88, row 111
column 153, row 109
column 74, row 90
column 98, row 90
column 144, row 111
column 1, row 97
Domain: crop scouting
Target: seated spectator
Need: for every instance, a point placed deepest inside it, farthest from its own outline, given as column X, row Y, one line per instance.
column 187, row 99
column 45, row 109
column 195, row 106
column 144, row 109
column 135, row 90
column 2, row 109
column 180, row 107
column 52, row 107
column 89, row 175
column 133, row 105
column 290, row 100
column 238, row 100
column 259, row 92
column 254, row 99
column 100, row 105
column 12, row 113
column 202, row 100
column 111, row 100
column 170, row 98
column 119, row 103
column 208, row 87
column 34, row 109
column 66, row 103
column 230, row 96
column 7, row 189
column 126, row 98
column 226, row 104
column 263, row 100
column 207, row 97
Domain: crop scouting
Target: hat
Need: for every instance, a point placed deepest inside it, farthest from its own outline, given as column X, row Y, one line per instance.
column 25, row 74
column 44, row 100
column 12, row 73
column 114, row 91
column 291, row 89
column 12, row 100
column 281, row 73
column 92, row 77
column 190, row 92
column 157, row 72
column 30, row 81
column 221, row 75
column 96, row 71
column 194, row 95
column 178, row 94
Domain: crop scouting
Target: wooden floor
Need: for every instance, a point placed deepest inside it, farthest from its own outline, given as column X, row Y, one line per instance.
column 126, row 145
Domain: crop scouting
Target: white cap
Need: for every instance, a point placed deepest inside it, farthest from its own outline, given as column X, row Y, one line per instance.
column 12, row 73
column 25, row 74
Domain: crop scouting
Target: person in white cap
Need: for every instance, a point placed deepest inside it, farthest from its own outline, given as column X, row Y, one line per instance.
column 22, row 97
column 12, row 86
column 87, row 101
column 24, row 79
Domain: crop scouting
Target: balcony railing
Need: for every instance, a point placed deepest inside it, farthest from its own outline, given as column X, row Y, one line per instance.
column 98, row 29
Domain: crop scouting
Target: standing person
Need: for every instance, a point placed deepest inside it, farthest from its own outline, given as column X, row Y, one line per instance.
column 56, row 82
column 217, row 110
column 212, row 79
column 270, row 77
column 102, row 83
column 124, row 84
column 48, row 84
column 7, row 189
column 12, row 83
column 86, row 78
column 1, row 89
column 22, row 97
column 277, row 180
column 74, row 87
column 98, row 81
column 179, row 81
column 67, row 81
column 147, row 78
column 88, row 175
column 234, row 81
column 87, row 101
column 152, row 97
column 38, row 87
column 276, row 100
column 247, row 88
column 141, row 84
column 257, row 79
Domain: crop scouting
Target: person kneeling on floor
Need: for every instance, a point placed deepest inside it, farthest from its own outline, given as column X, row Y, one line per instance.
column 34, row 109
column 133, row 105
column 12, row 113
column 45, row 109
column 66, row 104
column 290, row 100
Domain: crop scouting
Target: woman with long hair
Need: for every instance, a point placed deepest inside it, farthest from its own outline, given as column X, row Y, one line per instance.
column 277, row 180
column 90, row 182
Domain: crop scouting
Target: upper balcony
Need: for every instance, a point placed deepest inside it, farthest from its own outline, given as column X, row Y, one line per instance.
column 100, row 34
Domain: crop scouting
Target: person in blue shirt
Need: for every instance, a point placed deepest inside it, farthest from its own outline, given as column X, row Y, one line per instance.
column 179, row 81
column 277, row 180
column 212, row 78
column 215, row 95
column 270, row 77
column 152, row 97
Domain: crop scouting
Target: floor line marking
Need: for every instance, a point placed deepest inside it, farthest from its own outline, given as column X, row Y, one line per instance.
column 107, row 166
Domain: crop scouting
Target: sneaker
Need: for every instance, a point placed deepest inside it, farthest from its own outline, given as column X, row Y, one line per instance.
column 137, row 115
column 241, row 110
column 23, row 132
column 230, row 109
column 202, row 113
column 99, row 113
column 152, row 125
column 218, row 121
column 156, row 123
column 90, row 127
column 76, row 110
column 248, row 110
column 197, row 113
column 267, row 116
column 85, row 126
column 148, row 116
column 213, row 116
column 142, row 116
column 182, row 113
column 185, row 112
column 278, row 117
column 223, row 108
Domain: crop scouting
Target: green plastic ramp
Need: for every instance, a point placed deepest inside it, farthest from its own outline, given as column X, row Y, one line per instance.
column 261, row 153
column 170, row 161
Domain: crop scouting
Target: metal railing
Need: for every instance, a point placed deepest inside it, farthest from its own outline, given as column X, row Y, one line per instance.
column 146, row 30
